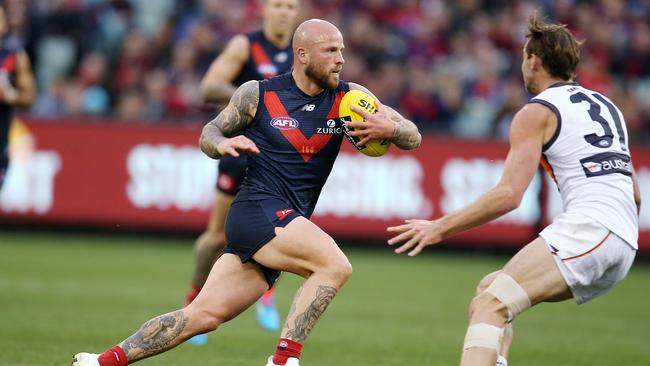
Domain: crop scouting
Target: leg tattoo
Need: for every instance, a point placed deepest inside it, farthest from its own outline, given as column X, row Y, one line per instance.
column 155, row 336
column 293, row 306
column 304, row 323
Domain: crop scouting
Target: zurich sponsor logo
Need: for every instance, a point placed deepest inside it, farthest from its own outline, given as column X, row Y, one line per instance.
column 284, row 123
column 332, row 128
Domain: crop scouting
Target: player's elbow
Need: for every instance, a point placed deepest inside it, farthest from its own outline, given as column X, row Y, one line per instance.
column 510, row 199
column 207, row 147
column 418, row 140
column 27, row 101
column 206, row 87
column 202, row 143
column 413, row 142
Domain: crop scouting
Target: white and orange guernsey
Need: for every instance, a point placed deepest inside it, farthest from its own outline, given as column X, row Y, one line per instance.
column 589, row 159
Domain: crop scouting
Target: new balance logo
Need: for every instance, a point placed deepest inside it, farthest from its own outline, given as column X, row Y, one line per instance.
column 308, row 107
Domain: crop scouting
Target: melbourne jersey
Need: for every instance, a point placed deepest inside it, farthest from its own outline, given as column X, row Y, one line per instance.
column 8, row 60
column 299, row 137
column 265, row 59
column 589, row 159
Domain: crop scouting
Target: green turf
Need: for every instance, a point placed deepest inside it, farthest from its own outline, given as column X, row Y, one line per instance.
column 65, row 293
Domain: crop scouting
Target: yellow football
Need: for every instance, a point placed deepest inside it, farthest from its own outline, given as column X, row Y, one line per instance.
column 364, row 101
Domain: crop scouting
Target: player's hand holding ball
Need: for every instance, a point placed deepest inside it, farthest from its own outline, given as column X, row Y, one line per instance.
column 366, row 122
column 237, row 145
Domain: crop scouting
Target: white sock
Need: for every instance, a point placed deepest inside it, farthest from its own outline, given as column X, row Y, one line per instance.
column 501, row 361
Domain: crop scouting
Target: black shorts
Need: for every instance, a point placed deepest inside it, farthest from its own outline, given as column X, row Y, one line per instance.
column 232, row 172
column 251, row 224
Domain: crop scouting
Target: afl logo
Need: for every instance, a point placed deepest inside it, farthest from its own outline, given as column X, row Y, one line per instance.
column 281, row 57
column 284, row 123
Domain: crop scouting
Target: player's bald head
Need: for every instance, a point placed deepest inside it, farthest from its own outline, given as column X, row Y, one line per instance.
column 314, row 31
column 318, row 53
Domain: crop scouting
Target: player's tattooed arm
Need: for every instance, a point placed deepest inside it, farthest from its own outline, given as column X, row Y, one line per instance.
column 231, row 121
column 406, row 135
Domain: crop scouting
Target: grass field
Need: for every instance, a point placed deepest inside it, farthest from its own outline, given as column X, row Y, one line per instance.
column 65, row 293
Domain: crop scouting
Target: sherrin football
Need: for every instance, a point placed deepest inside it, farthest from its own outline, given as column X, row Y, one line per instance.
column 364, row 101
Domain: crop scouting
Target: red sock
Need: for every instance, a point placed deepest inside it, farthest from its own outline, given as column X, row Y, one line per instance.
column 113, row 357
column 286, row 348
column 191, row 294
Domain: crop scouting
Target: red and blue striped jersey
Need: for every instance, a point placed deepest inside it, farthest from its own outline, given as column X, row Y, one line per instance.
column 299, row 137
column 265, row 60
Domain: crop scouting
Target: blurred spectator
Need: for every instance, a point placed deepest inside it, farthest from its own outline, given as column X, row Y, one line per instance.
column 130, row 106
column 451, row 66
column 91, row 76
column 156, row 88
column 133, row 61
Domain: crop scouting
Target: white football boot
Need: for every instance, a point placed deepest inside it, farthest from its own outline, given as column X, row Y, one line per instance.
column 501, row 361
column 291, row 361
column 85, row 359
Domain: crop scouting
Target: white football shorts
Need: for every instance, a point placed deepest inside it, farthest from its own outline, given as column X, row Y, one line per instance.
column 591, row 258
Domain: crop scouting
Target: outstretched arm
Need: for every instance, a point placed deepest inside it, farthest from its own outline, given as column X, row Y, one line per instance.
column 387, row 123
column 216, row 86
column 220, row 136
column 526, row 141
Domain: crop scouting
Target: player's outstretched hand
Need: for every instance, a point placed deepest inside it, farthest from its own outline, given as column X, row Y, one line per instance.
column 418, row 234
column 376, row 126
column 236, row 145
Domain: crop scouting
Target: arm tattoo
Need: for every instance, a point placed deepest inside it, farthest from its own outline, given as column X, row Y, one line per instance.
column 155, row 336
column 406, row 135
column 304, row 323
column 232, row 119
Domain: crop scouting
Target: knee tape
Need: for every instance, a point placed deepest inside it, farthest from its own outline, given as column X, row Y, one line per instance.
column 483, row 335
column 510, row 293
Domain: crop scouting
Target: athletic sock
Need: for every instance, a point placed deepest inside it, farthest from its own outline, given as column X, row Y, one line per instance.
column 113, row 357
column 192, row 294
column 286, row 349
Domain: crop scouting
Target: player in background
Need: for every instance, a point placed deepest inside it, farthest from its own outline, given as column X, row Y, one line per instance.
column 17, row 87
column 253, row 56
column 268, row 228
column 581, row 138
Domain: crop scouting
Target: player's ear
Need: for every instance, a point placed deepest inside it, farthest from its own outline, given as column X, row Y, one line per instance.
column 303, row 55
column 535, row 62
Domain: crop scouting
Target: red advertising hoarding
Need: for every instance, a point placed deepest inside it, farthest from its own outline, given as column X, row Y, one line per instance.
column 88, row 174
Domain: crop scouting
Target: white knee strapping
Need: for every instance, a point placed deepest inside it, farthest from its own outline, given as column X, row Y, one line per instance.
column 510, row 293
column 483, row 335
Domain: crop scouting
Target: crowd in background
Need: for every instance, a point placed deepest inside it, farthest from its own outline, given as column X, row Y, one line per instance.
column 450, row 66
